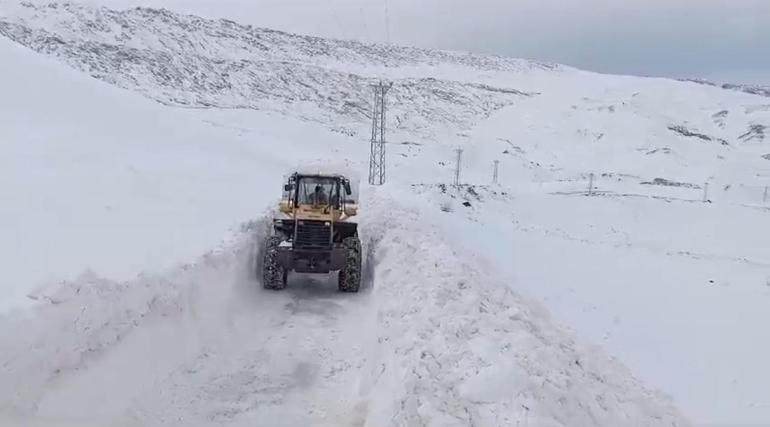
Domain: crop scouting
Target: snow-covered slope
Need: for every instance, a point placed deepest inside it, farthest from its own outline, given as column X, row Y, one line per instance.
column 453, row 326
column 674, row 288
column 200, row 344
column 87, row 166
column 190, row 61
column 648, row 125
column 752, row 89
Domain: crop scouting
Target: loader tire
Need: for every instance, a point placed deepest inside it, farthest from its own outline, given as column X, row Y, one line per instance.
column 350, row 275
column 274, row 276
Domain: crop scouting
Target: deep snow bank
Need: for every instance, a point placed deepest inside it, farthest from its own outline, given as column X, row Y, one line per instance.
column 455, row 346
column 674, row 288
column 434, row 339
column 78, row 322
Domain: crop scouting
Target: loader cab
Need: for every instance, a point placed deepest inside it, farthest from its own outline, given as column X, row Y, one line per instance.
column 319, row 197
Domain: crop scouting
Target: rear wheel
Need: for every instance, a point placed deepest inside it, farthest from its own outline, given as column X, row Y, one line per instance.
column 273, row 275
column 350, row 275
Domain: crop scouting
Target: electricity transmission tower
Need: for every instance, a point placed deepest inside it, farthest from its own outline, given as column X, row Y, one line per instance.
column 377, row 153
column 458, row 165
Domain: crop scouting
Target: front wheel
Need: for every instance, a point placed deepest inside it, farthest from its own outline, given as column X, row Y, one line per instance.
column 350, row 275
column 274, row 276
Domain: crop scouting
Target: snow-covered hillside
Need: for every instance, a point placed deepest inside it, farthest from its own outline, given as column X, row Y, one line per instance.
column 189, row 61
column 87, row 167
column 752, row 89
column 523, row 303
column 658, row 126
column 419, row 346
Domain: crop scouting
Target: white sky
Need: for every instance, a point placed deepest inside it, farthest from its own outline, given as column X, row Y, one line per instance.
column 718, row 39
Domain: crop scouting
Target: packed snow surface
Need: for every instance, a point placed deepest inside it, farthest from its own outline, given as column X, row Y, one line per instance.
column 540, row 300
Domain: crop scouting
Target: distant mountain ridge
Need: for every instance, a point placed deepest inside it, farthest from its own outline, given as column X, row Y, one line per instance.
column 760, row 90
column 190, row 61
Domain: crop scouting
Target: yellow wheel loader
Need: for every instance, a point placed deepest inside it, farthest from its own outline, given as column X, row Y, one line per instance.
column 314, row 232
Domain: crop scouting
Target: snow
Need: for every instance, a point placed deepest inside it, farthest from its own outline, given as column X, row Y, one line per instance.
column 188, row 61
column 225, row 353
column 677, row 304
column 501, row 351
column 525, row 303
column 107, row 166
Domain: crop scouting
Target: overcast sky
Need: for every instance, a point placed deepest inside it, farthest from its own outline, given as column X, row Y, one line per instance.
column 725, row 40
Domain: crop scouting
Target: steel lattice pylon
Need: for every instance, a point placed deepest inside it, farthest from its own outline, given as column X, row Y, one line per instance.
column 377, row 153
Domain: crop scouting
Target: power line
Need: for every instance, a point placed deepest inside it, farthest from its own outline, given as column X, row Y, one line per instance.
column 387, row 22
column 363, row 21
column 336, row 17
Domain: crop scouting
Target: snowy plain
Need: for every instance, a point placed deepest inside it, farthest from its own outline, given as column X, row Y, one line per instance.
column 522, row 307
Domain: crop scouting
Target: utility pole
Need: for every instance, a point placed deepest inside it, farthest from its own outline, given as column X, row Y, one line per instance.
column 377, row 153
column 495, row 172
column 458, row 165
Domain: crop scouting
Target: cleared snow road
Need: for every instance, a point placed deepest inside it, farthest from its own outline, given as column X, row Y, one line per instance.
column 204, row 345
column 434, row 338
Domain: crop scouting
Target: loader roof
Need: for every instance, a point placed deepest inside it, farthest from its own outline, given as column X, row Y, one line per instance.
column 326, row 168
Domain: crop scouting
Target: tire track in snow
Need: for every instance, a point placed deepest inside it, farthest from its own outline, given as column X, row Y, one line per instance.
column 228, row 353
